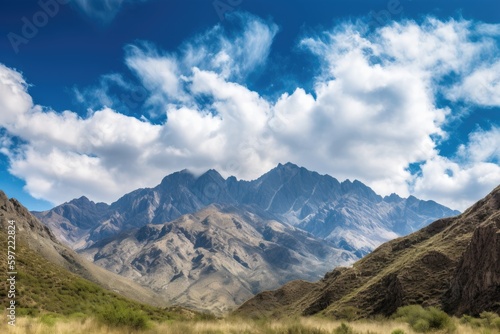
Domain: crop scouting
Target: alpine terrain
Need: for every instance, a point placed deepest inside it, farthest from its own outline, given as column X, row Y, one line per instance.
column 454, row 264
column 211, row 243
column 50, row 277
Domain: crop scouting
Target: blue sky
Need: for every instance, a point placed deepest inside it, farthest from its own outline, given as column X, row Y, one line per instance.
column 102, row 97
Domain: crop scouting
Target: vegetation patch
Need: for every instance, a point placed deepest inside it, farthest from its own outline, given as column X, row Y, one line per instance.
column 423, row 320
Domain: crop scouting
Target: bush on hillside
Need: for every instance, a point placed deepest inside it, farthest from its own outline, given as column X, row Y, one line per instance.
column 343, row 329
column 398, row 331
column 423, row 320
column 119, row 315
column 489, row 320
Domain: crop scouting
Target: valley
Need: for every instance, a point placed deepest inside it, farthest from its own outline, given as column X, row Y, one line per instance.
column 211, row 243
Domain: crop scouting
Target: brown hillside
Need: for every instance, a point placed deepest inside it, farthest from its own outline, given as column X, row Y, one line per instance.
column 454, row 263
column 35, row 239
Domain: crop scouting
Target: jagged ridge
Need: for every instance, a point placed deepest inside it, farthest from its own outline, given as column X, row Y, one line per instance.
column 452, row 263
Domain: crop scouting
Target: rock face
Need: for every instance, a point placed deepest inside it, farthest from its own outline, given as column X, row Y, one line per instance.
column 39, row 239
column 453, row 263
column 192, row 237
column 476, row 283
column 216, row 258
column 348, row 214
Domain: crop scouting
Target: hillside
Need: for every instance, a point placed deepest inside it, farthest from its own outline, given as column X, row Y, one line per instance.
column 454, row 263
column 216, row 258
column 52, row 278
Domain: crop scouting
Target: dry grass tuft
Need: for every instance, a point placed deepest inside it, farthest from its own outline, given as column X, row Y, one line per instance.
column 222, row 326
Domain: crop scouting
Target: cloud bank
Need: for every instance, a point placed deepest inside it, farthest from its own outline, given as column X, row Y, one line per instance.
column 373, row 113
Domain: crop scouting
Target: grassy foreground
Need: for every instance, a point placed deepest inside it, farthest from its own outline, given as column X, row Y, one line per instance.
column 75, row 325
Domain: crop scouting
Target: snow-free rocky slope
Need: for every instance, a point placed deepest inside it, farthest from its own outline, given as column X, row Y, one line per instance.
column 39, row 255
column 216, row 258
column 454, row 263
column 349, row 214
column 211, row 243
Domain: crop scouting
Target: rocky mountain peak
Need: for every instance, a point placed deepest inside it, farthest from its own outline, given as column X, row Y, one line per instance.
column 211, row 176
column 393, row 198
column 316, row 203
column 359, row 188
column 183, row 177
column 81, row 201
column 283, row 171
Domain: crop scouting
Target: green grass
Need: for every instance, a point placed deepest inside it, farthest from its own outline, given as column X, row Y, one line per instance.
column 423, row 320
column 46, row 290
column 486, row 320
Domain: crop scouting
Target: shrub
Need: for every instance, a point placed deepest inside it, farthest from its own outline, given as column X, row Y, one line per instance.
column 492, row 319
column 49, row 319
column 398, row 331
column 421, row 326
column 30, row 312
column 423, row 320
column 343, row 329
column 471, row 321
column 348, row 313
column 121, row 316
column 439, row 319
column 488, row 320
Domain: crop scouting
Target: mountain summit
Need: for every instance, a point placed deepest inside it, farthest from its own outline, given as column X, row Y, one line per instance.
column 190, row 234
column 348, row 214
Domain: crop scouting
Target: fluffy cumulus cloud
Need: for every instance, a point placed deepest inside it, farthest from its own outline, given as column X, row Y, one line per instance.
column 455, row 184
column 373, row 112
column 475, row 170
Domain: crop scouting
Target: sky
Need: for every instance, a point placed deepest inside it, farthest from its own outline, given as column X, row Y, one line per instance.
column 99, row 98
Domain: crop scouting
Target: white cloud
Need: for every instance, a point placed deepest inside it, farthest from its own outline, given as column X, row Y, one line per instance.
column 14, row 100
column 372, row 113
column 233, row 53
column 456, row 185
column 233, row 56
column 470, row 175
column 482, row 146
column 481, row 87
column 159, row 74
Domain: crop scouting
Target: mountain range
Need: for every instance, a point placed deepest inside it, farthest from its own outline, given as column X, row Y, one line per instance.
column 454, row 264
column 211, row 243
column 216, row 258
column 349, row 214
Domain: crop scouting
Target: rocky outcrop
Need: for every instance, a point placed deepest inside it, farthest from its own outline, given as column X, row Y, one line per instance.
column 216, row 258
column 453, row 263
column 475, row 286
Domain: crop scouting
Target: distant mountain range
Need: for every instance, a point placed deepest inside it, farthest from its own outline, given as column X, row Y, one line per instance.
column 454, row 264
column 191, row 235
column 349, row 214
column 216, row 258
